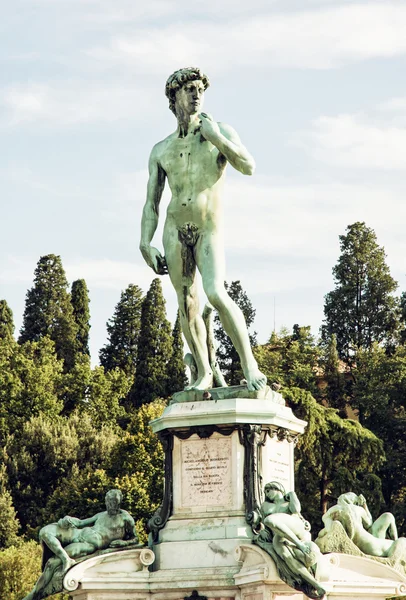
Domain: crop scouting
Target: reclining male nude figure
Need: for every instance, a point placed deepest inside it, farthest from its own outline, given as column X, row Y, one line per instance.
column 73, row 538
column 193, row 159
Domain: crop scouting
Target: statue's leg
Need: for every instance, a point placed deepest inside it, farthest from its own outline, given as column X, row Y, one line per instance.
column 385, row 524
column 193, row 327
column 56, row 547
column 295, row 565
column 210, row 261
column 45, row 577
column 79, row 549
column 277, row 525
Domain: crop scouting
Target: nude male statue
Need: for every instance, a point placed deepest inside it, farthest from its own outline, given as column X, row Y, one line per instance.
column 193, row 159
column 73, row 538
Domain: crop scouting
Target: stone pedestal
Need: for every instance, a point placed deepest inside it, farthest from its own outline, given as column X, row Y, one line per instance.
column 219, row 455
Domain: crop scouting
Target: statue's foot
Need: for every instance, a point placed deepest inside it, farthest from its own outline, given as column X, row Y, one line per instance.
column 255, row 380
column 202, row 383
column 68, row 563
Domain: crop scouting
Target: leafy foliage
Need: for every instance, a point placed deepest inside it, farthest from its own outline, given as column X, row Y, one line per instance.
column 20, row 567
column 290, row 360
column 361, row 309
column 9, row 524
column 334, row 455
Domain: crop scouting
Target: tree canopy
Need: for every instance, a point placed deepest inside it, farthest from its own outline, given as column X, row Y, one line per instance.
column 361, row 309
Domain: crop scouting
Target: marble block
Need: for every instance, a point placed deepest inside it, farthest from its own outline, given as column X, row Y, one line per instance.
column 219, row 455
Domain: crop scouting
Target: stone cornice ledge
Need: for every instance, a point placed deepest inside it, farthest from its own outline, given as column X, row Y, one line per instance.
column 121, row 569
column 228, row 412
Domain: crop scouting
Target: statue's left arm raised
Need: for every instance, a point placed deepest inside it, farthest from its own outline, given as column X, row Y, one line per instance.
column 228, row 143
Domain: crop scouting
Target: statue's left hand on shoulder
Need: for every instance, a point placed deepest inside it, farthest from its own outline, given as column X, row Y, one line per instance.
column 209, row 129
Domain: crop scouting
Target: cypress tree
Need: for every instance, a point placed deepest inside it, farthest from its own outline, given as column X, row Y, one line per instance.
column 6, row 321
column 123, row 332
column 334, row 393
column 229, row 360
column 48, row 310
column 81, row 314
column 154, row 348
column 176, row 367
column 361, row 309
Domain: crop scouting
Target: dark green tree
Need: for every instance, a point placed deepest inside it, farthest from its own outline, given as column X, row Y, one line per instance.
column 6, row 320
column 48, row 310
column 81, row 314
column 123, row 332
column 333, row 389
column 9, row 524
column 290, row 360
column 361, row 309
column 379, row 394
column 333, row 456
column 228, row 358
column 30, row 376
column 43, row 452
column 176, row 367
column 154, row 349
column 403, row 318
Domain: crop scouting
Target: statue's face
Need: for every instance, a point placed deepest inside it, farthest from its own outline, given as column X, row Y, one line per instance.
column 112, row 503
column 271, row 494
column 189, row 99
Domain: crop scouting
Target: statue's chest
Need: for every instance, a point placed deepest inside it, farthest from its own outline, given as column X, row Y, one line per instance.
column 192, row 153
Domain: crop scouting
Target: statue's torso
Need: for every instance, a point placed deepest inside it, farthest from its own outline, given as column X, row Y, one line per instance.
column 195, row 172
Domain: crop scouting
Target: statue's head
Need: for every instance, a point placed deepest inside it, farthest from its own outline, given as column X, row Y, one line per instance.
column 113, row 501
column 181, row 78
column 348, row 498
column 274, row 490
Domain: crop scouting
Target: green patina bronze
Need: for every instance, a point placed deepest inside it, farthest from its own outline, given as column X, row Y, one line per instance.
column 193, row 159
column 72, row 540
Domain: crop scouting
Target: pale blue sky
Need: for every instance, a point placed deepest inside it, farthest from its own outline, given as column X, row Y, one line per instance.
column 316, row 90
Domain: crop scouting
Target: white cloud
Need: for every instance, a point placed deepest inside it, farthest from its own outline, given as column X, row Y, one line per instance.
column 355, row 141
column 71, row 103
column 304, row 221
column 321, row 38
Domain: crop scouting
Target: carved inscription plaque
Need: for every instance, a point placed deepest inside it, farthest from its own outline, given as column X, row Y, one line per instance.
column 278, row 463
column 206, row 472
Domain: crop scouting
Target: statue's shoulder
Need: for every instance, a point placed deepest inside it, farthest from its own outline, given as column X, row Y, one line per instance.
column 126, row 514
column 160, row 147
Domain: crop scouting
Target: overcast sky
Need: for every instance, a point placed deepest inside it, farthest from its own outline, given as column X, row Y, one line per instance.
column 316, row 90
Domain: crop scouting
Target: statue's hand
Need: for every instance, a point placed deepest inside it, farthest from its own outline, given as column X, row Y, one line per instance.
column 209, row 129
column 155, row 260
column 68, row 522
column 361, row 501
column 118, row 544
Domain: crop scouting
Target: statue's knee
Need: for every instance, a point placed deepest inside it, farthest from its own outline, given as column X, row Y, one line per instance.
column 271, row 522
column 217, row 297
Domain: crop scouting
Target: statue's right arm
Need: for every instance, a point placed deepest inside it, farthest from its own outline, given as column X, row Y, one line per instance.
column 294, row 503
column 150, row 214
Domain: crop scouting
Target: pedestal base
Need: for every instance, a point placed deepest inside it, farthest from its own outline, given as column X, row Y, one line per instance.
column 123, row 576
